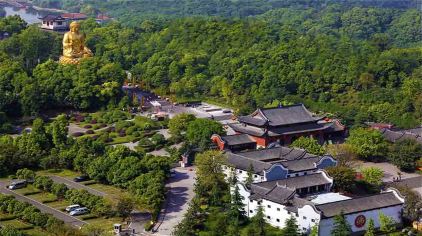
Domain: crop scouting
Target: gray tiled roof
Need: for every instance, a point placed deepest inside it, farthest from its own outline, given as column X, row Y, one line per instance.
column 299, row 128
column 255, row 131
column 359, row 204
column 237, row 139
column 243, row 163
column 291, row 158
column 297, row 182
column 394, row 136
column 301, row 164
column 278, row 194
column 252, row 120
column 277, row 131
column 280, row 116
column 286, row 115
column 51, row 18
column 279, row 153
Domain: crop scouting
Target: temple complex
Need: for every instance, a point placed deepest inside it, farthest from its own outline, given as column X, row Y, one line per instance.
column 281, row 125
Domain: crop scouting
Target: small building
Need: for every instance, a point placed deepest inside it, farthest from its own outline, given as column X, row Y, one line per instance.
column 102, row 19
column 234, row 143
column 399, row 135
column 56, row 23
column 276, row 163
column 74, row 16
column 282, row 125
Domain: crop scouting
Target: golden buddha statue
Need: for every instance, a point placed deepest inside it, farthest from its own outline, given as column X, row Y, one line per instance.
column 74, row 48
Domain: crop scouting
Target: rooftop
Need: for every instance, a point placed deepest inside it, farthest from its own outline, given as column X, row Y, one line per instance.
column 350, row 206
column 394, row 136
column 291, row 158
column 327, row 198
column 237, row 139
column 280, row 116
column 51, row 18
column 74, row 16
column 274, row 193
column 297, row 182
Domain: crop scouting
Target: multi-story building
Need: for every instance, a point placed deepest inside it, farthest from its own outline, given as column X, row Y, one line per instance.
column 281, row 125
column 293, row 183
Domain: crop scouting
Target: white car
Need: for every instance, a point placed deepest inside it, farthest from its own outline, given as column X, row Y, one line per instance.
column 72, row 207
column 79, row 211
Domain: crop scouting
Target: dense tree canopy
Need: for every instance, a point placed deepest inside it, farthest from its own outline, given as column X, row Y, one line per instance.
column 353, row 62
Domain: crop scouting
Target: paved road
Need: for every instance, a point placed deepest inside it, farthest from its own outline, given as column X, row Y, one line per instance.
column 42, row 207
column 72, row 184
column 390, row 170
column 180, row 193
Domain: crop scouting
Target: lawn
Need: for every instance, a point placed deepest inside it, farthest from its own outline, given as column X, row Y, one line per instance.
column 28, row 229
column 17, row 224
column 44, row 197
column 27, row 190
column 114, row 193
column 59, row 204
column 59, row 172
column 119, row 140
column 104, row 223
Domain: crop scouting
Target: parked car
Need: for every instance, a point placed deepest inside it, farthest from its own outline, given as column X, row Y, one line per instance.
column 17, row 184
column 81, row 178
column 72, row 207
column 79, row 211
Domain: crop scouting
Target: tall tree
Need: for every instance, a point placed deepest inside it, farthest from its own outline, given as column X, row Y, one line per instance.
column 367, row 143
column 199, row 132
column 257, row 225
column 405, row 153
column 370, row 231
column 341, row 226
column 311, row 145
column 291, row 228
column 387, row 224
column 250, row 179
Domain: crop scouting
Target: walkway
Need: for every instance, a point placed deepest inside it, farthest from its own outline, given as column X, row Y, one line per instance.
column 390, row 170
column 42, row 207
column 180, row 193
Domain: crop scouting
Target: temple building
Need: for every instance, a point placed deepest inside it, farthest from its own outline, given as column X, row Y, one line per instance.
column 293, row 183
column 56, row 23
column 281, row 125
column 60, row 22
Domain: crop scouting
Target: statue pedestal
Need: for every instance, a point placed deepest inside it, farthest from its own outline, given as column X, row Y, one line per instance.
column 67, row 60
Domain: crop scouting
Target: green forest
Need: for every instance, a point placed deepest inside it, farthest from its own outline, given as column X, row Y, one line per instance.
column 360, row 64
column 133, row 12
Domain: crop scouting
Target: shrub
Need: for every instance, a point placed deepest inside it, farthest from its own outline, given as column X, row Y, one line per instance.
column 95, row 137
column 77, row 134
column 87, row 126
column 89, row 132
column 88, row 217
column 122, row 133
column 48, row 200
column 7, row 218
column 130, row 130
column 31, row 193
